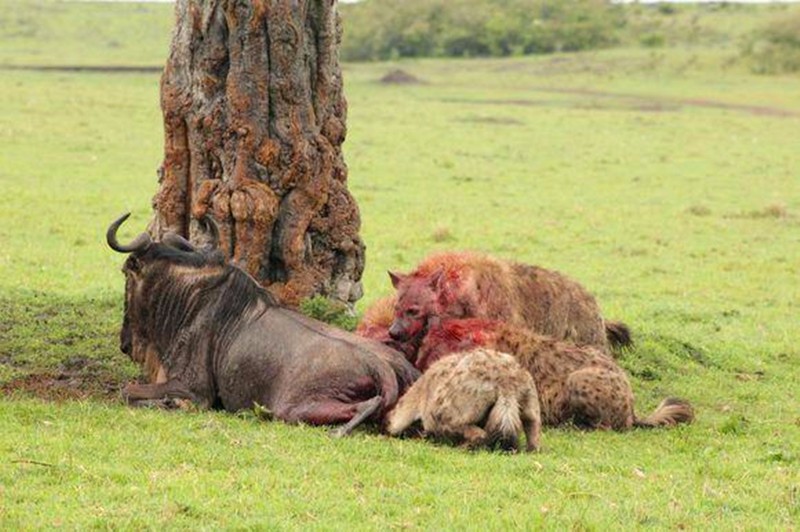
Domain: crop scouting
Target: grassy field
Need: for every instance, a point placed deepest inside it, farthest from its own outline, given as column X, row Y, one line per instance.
column 667, row 181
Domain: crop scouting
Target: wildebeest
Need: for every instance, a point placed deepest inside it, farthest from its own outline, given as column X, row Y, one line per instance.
column 472, row 285
column 579, row 384
column 479, row 397
column 206, row 332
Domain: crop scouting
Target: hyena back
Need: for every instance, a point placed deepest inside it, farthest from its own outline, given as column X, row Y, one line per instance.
column 472, row 285
column 581, row 384
column 481, row 398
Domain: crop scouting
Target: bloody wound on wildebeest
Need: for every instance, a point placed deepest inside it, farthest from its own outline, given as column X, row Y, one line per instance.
column 205, row 331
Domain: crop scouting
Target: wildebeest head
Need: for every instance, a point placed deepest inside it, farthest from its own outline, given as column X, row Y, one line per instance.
column 150, row 267
column 417, row 304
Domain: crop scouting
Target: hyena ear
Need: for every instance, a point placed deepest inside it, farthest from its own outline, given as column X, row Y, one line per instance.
column 436, row 278
column 396, row 278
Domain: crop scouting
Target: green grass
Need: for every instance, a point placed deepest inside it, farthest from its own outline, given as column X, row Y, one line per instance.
column 683, row 219
column 50, row 32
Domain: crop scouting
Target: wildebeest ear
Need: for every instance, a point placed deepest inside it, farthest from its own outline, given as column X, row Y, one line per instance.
column 396, row 278
column 435, row 278
column 177, row 241
column 210, row 226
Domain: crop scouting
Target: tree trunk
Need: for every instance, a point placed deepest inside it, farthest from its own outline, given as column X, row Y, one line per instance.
column 254, row 120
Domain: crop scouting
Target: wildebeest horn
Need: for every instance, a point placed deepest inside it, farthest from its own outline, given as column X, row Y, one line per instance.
column 177, row 241
column 140, row 243
column 212, row 227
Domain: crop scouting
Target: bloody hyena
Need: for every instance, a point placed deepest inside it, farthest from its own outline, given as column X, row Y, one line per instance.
column 480, row 398
column 375, row 325
column 471, row 285
column 578, row 384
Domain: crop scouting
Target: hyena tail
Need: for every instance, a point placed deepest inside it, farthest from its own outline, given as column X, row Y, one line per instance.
column 618, row 334
column 671, row 411
column 503, row 423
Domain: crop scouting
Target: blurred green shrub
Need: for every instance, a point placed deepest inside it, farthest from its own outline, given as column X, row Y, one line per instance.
column 775, row 49
column 390, row 29
column 330, row 311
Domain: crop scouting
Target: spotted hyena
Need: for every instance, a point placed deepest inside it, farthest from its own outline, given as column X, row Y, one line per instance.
column 579, row 384
column 479, row 398
column 472, row 285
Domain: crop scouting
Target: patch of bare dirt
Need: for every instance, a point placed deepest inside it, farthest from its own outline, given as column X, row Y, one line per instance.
column 63, row 386
column 77, row 378
column 759, row 110
column 776, row 211
column 591, row 105
column 604, row 100
column 400, row 77
column 515, row 102
column 108, row 69
column 496, row 120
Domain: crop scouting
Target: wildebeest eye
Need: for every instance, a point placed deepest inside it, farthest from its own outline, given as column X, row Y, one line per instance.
column 131, row 265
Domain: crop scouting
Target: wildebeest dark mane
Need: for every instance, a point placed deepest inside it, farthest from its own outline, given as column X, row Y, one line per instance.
column 212, row 305
column 242, row 294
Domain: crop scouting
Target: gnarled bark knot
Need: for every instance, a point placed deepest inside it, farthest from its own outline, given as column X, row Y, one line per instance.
column 254, row 120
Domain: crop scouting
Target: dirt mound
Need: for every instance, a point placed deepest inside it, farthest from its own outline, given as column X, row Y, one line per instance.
column 400, row 77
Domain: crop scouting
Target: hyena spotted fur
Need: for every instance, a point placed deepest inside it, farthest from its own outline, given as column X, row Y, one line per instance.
column 478, row 398
column 579, row 384
column 472, row 285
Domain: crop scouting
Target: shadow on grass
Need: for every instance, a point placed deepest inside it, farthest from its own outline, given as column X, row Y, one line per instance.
column 57, row 348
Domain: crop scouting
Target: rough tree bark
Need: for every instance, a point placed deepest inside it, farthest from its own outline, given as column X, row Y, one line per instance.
column 254, row 120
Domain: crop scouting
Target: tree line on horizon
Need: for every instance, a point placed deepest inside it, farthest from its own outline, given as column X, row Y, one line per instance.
column 392, row 29
column 380, row 30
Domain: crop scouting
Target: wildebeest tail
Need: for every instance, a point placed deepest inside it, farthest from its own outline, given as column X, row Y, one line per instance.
column 405, row 373
column 618, row 334
column 671, row 411
column 386, row 380
column 503, row 424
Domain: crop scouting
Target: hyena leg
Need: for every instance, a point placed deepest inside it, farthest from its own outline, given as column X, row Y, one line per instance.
column 600, row 398
column 474, row 436
column 531, row 420
column 407, row 411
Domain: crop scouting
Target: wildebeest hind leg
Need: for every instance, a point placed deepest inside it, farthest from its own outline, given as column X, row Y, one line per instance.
column 330, row 412
column 365, row 410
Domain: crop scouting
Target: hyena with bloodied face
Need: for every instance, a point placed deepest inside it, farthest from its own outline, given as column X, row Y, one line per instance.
column 472, row 285
column 578, row 384
column 478, row 398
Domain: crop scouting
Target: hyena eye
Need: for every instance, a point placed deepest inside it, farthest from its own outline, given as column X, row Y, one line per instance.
column 412, row 312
